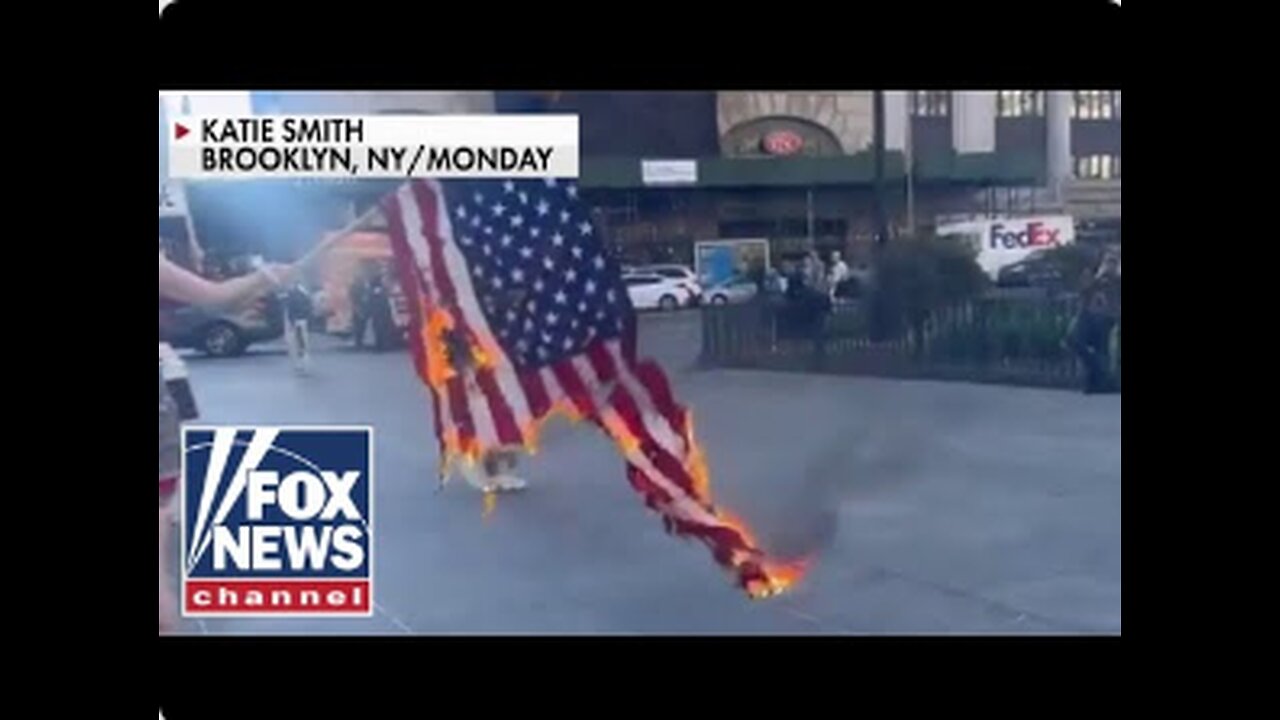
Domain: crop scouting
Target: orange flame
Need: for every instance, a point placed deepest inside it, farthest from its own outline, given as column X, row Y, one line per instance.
column 780, row 577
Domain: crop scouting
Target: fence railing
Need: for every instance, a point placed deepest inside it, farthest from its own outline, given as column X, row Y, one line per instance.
column 1012, row 339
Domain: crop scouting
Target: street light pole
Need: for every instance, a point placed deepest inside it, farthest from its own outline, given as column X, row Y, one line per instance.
column 877, row 105
column 910, row 172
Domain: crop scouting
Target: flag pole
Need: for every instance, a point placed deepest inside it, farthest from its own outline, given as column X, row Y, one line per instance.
column 328, row 242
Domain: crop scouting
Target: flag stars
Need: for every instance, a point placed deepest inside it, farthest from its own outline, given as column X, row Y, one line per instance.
column 479, row 198
column 561, row 297
column 543, row 208
column 557, row 239
column 548, row 263
column 538, row 286
column 517, row 275
column 611, row 296
column 568, row 342
column 570, row 275
column 496, row 282
column 526, row 252
column 498, row 209
column 552, row 319
column 508, row 187
column 462, row 212
column 577, row 252
column 598, row 262
column 564, row 217
column 524, row 197
column 507, row 240
column 584, row 228
column 517, row 220
column 572, row 190
column 535, row 231
column 590, row 287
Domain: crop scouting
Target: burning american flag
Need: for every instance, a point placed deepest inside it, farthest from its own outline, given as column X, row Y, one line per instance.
column 519, row 314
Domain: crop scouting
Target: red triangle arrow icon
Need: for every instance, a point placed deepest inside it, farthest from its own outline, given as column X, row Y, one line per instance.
column 179, row 130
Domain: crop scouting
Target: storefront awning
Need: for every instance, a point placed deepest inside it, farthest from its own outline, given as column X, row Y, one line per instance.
column 843, row 170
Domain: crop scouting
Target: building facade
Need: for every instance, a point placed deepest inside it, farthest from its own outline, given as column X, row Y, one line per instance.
column 795, row 167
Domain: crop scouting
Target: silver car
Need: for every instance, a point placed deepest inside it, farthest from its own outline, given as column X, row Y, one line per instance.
column 733, row 290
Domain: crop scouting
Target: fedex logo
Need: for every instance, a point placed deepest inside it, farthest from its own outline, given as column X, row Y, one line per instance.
column 277, row 521
column 1033, row 235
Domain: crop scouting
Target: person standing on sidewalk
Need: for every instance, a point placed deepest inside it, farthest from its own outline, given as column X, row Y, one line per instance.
column 1099, row 313
column 359, row 294
column 298, row 312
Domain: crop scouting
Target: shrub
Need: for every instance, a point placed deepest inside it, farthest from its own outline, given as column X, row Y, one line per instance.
column 914, row 277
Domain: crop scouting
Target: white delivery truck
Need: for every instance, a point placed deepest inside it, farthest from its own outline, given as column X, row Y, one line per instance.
column 1001, row 242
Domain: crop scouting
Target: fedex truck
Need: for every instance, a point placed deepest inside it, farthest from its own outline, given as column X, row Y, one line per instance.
column 1000, row 242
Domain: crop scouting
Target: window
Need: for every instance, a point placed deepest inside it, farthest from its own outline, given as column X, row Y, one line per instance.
column 931, row 103
column 640, row 280
column 1096, row 105
column 1020, row 103
column 1098, row 167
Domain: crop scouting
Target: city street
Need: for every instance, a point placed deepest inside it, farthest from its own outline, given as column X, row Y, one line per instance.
column 928, row 507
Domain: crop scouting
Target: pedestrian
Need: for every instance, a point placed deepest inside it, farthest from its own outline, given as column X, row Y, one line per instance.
column 298, row 312
column 384, row 324
column 180, row 285
column 359, row 295
column 1092, row 329
column 839, row 272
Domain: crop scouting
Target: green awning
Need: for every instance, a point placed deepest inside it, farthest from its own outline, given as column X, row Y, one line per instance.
column 845, row 170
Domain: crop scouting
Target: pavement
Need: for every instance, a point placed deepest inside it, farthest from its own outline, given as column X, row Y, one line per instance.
column 927, row 507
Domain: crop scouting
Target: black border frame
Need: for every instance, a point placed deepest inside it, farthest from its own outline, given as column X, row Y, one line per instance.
column 221, row 44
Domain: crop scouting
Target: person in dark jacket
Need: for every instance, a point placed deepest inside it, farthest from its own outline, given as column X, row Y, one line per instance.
column 361, row 303
column 384, row 323
column 297, row 326
column 1099, row 313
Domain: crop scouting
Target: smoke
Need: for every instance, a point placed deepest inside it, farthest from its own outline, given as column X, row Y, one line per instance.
column 857, row 460
column 277, row 219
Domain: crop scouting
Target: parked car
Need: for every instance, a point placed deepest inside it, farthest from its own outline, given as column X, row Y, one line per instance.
column 1036, row 270
column 685, row 275
column 733, row 290
column 220, row 334
column 648, row 292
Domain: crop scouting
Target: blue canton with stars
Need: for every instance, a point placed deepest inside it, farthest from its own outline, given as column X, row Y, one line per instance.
column 538, row 265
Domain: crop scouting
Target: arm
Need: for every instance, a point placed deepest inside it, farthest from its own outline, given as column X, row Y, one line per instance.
column 184, row 286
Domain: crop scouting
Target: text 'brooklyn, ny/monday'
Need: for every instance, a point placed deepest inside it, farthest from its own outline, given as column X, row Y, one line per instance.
column 356, row 161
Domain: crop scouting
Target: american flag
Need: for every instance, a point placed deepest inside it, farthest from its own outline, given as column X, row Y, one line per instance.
column 519, row 313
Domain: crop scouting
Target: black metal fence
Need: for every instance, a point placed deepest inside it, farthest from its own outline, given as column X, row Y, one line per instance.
column 1017, row 340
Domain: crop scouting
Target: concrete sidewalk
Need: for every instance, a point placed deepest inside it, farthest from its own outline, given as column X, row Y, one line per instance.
column 929, row 507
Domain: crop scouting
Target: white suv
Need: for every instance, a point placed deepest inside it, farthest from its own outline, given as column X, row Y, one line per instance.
column 680, row 273
column 649, row 291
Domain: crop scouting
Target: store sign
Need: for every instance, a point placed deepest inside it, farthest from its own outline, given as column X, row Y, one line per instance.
column 669, row 172
column 782, row 142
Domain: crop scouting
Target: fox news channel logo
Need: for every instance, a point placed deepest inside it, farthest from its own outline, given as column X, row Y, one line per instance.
column 277, row 521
